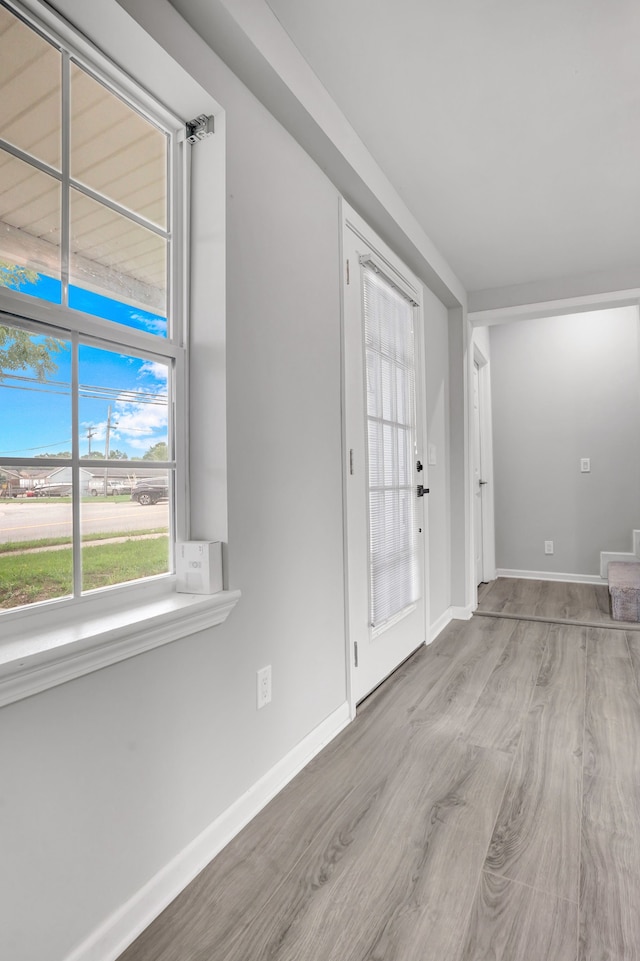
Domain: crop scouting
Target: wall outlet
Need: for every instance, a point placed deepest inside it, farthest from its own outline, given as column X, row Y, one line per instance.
column 263, row 686
column 548, row 547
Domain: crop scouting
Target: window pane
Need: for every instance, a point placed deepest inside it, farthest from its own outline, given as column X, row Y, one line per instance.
column 29, row 229
column 29, row 90
column 125, row 533
column 35, row 395
column 393, row 547
column 123, row 406
column 115, row 151
column 117, row 268
column 35, row 535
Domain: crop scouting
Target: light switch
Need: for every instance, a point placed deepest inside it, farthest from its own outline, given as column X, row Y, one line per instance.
column 585, row 465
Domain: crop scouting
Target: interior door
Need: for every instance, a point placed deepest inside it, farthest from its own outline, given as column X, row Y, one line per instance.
column 385, row 481
column 478, row 483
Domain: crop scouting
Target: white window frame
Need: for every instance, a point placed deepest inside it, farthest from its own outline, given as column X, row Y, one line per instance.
column 50, row 643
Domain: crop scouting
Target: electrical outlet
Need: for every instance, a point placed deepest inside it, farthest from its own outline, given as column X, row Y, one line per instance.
column 263, row 686
column 548, row 547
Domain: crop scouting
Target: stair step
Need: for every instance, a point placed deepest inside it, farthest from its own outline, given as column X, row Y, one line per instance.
column 624, row 587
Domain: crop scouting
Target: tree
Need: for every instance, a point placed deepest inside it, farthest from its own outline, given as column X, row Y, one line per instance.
column 17, row 349
column 12, row 275
column 159, row 451
column 117, row 455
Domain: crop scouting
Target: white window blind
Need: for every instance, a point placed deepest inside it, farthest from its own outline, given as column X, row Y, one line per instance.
column 391, row 450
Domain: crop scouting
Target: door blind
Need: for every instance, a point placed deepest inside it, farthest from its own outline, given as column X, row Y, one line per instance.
column 391, row 449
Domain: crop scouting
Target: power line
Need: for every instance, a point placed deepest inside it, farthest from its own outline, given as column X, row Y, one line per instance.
column 88, row 391
column 128, row 397
column 22, row 450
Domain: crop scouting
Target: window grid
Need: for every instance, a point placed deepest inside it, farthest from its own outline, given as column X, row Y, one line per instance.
column 25, row 312
column 391, row 449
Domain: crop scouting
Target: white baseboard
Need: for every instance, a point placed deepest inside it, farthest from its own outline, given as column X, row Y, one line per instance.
column 119, row 930
column 551, row 576
column 439, row 625
column 462, row 613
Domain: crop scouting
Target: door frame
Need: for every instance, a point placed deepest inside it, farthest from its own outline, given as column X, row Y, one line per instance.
column 482, row 360
column 351, row 221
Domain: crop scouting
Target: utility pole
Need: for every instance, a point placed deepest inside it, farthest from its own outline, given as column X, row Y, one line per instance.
column 90, row 433
column 110, row 426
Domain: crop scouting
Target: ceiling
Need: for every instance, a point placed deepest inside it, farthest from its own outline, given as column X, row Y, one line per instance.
column 510, row 128
column 114, row 151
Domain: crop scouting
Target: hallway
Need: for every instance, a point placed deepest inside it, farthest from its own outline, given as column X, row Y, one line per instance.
column 484, row 804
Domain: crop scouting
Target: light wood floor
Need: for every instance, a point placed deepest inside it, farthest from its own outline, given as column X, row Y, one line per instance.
column 485, row 804
column 549, row 600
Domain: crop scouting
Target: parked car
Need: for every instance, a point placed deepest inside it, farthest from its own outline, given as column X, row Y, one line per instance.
column 150, row 490
column 97, row 486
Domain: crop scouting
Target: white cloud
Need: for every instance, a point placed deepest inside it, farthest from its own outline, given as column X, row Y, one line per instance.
column 158, row 372
column 140, row 413
column 153, row 325
column 140, row 424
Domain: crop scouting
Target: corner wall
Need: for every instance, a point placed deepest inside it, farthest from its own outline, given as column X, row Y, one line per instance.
column 565, row 388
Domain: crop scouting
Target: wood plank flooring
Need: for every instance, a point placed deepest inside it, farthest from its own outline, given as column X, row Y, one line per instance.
column 485, row 804
column 586, row 604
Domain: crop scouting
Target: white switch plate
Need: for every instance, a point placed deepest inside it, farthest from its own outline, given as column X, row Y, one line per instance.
column 585, row 465
column 431, row 455
column 263, row 692
column 548, row 547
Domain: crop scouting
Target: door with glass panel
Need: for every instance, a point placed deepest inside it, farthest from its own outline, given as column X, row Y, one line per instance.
column 385, row 482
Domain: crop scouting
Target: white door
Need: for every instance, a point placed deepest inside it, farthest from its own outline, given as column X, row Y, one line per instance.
column 386, row 531
column 477, row 474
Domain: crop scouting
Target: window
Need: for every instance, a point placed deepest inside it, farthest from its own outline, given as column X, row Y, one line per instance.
column 394, row 547
column 92, row 426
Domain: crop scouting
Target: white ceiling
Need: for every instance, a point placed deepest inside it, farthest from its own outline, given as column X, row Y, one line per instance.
column 511, row 128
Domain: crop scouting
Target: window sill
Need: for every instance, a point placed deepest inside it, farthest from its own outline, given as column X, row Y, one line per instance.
column 51, row 651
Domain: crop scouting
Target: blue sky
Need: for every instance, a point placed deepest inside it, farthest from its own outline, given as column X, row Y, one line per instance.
column 36, row 416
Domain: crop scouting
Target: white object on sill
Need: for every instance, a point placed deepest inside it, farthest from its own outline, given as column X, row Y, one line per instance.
column 198, row 567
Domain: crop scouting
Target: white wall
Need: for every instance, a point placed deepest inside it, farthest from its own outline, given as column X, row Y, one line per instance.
column 566, row 388
column 105, row 779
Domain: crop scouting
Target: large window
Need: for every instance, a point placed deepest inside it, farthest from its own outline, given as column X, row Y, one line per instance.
column 91, row 324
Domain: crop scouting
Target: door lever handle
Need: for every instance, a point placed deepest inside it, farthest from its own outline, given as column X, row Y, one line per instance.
column 482, row 483
column 422, row 490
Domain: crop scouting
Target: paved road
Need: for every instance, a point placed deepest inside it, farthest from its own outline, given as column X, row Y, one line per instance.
column 30, row 520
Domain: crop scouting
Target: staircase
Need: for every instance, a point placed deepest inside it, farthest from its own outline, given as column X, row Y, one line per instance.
column 607, row 556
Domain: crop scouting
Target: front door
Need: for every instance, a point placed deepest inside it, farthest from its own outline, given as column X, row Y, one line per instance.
column 386, row 480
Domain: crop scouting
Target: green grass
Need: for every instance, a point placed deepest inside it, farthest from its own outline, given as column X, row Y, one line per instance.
column 12, row 546
column 27, row 578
